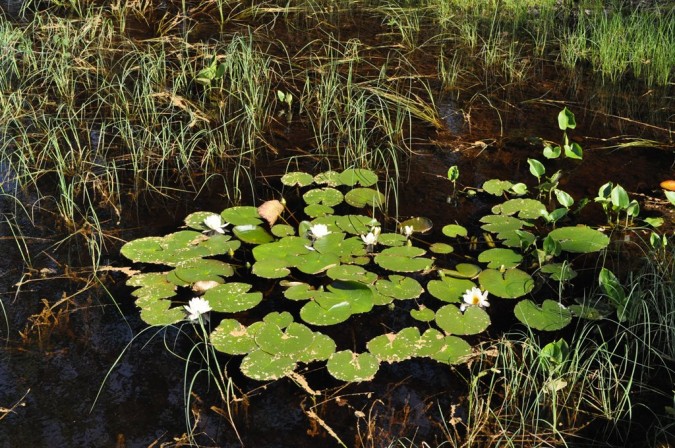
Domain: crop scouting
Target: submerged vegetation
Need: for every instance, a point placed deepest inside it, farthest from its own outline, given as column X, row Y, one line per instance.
column 119, row 119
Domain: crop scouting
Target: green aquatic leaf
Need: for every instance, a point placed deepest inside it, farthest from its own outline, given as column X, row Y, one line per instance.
column 454, row 230
column 362, row 197
column 472, row 321
column 271, row 268
column 288, row 341
column 498, row 258
column 348, row 272
column 509, row 284
column 353, row 367
column 196, row 220
column 550, row 316
column 232, row 338
column 202, row 269
column 399, row 287
column 441, row 248
column 354, row 224
column 353, row 176
column 559, row 271
column 160, row 313
column 449, row 289
column 262, row 366
column 391, row 239
column 432, row 341
column 403, row 259
column 423, row 314
column 318, row 210
column 252, row 234
column 330, row 178
column 395, row 347
column 496, row 187
column 524, row 208
column 320, row 349
column 316, row 262
column 453, row 350
column 152, row 286
column 420, row 224
column 297, row 178
column 241, row 216
column 232, row 297
column 282, row 230
column 326, row 196
column 301, row 291
column 463, row 270
column 580, row 239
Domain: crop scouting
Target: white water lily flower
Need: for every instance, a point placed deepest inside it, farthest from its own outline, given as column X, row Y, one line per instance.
column 319, row 230
column 408, row 231
column 196, row 307
column 215, row 223
column 474, row 297
column 371, row 238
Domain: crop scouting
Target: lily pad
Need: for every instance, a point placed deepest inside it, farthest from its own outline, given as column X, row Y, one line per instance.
column 472, row 321
column 499, row 258
column 399, row 287
column 420, row 224
column 362, row 197
column 449, row 289
column 454, row 350
column 326, row 196
column 502, row 225
column 496, row 187
column 430, row 342
column 355, row 224
column 196, row 220
column 510, row 284
column 550, row 316
column 282, row 230
column 290, row 341
column 395, row 347
column 316, row 262
column 348, row 272
column 321, row 348
column 232, row 337
column 441, row 248
column 326, row 309
column 586, row 312
column 463, row 270
column 580, row 239
column 559, row 271
column 252, row 234
column 202, row 269
column 262, row 366
column 297, row 178
column 525, row 208
column 241, row 216
column 301, row 291
column 353, row 367
column 454, row 230
column 160, row 313
column 330, row 178
column 271, row 268
column 318, row 210
column 391, row 239
column 403, row 259
column 353, row 176
column 232, row 297
column 152, row 286
column 423, row 314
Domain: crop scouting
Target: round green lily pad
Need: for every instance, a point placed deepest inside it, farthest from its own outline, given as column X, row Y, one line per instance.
column 302, row 291
column 430, row 342
column 203, row 269
column 454, row 230
column 297, row 178
column 550, row 316
column 510, row 284
column 395, row 347
column 362, row 197
column 353, row 367
column 232, row 297
column 463, row 270
column 281, row 320
column 160, row 313
column 525, row 208
column 348, row 272
column 262, row 366
column 400, row 287
column 391, row 239
column 403, row 259
column 232, row 337
column 282, row 230
column 420, row 224
column 498, row 258
column 353, row 176
column 423, row 314
column 326, row 196
column 449, row 289
column 454, row 350
column 270, row 268
column 318, row 210
column 243, row 215
column 580, row 239
column 293, row 339
column 330, row 178
column 196, row 220
column 441, row 248
column 326, row 310
column 321, row 348
column 152, row 286
column 472, row 321
column 496, row 187
column 252, row 234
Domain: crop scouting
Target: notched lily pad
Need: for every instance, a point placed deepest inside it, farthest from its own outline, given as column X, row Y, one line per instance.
column 252, row 234
column 525, row 208
column 550, row 316
column 499, row 258
column 353, row 176
column 243, row 215
column 580, row 239
column 454, row 230
column 400, row 287
column 463, row 270
column 326, row 196
column 423, row 314
column 496, row 187
column 262, row 366
column 362, row 197
column 232, row 337
column 449, row 289
column 395, row 347
column 559, row 271
column 472, row 321
column 297, row 178
column 510, row 284
column 403, row 259
column 232, row 297
column 420, row 224
column 441, row 248
column 160, row 313
column 453, row 350
column 353, row 367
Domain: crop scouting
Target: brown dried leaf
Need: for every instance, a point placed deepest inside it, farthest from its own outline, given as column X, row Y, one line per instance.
column 271, row 210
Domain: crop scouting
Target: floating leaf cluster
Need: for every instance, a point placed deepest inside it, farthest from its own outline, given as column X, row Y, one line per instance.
column 353, row 266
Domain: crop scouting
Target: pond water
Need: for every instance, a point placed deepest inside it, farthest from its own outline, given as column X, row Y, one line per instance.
column 79, row 367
